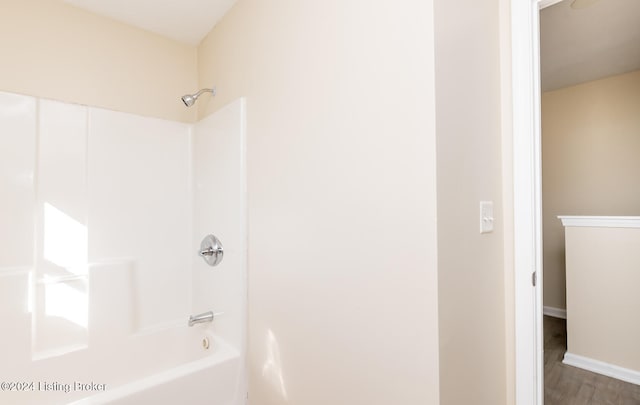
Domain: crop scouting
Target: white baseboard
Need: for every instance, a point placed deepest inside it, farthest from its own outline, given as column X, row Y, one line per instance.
column 603, row 368
column 555, row 312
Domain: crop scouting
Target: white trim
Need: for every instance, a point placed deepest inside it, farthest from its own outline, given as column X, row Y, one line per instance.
column 555, row 312
column 600, row 222
column 527, row 176
column 600, row 367
column 548, row 3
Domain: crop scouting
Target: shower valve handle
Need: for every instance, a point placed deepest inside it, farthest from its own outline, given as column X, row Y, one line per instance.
column 211, row 250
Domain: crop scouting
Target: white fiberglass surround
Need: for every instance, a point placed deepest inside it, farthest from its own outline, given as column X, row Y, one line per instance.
column 101, row 216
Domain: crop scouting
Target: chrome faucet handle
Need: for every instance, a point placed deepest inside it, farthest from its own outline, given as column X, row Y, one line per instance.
column 211, row 250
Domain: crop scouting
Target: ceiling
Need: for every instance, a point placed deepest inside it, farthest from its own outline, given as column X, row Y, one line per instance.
column 584, row 44
column 187, row 21
column 576, row 45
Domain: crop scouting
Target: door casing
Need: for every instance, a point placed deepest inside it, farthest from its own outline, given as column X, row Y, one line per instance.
column 527, row 200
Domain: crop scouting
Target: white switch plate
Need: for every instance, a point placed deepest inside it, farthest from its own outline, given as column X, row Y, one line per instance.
column 486, row 216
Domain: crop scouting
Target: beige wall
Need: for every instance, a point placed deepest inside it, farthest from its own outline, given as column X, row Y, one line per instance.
column 471, row 277
column 56, row 51
column 341, row 176
column 507, row 198
column 590, row 162
column 602, row 294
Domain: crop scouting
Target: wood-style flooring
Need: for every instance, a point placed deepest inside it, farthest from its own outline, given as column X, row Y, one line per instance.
column 567, row 385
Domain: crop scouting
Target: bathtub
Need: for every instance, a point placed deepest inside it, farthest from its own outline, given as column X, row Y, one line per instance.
column 171, row 365
column 210, row 380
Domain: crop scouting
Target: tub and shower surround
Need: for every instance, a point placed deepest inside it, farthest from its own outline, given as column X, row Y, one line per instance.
column 101, row 216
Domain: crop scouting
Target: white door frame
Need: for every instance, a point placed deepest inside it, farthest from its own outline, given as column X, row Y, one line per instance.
column 527, row 201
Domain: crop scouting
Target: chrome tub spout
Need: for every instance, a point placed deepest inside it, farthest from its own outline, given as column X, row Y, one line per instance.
column 201, row 318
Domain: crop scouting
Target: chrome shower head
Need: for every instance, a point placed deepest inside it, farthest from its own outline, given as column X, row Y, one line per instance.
column 190, row 99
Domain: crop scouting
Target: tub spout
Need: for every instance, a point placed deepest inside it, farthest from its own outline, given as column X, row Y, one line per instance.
column 201, row 318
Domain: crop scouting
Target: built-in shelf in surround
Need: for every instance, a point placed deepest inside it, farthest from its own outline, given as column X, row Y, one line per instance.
column 600, row 221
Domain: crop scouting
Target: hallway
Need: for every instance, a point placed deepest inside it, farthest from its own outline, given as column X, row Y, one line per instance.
column 567, row 385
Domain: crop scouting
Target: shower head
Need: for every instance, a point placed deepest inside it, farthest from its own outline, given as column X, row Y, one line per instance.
column 190, row 99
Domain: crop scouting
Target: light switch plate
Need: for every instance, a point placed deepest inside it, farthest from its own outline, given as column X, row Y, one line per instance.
column 486, row 216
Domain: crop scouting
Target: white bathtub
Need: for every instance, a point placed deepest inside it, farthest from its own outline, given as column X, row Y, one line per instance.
column 166, row 366
column 211, row 380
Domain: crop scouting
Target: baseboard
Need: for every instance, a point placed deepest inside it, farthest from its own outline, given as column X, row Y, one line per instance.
column 603, row 368
column 555, row 312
